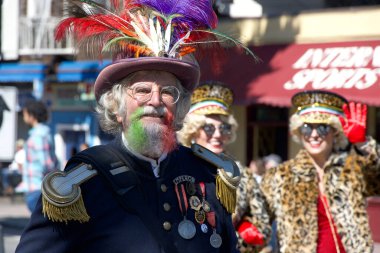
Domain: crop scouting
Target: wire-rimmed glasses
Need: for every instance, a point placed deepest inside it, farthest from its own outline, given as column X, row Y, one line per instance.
column 143, row 92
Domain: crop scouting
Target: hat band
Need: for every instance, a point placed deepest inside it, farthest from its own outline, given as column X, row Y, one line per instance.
column 320, row 109
column 204, row 104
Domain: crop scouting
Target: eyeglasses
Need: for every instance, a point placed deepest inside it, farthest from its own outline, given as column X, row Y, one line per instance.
column 224, row 129
column 322, row 129
column 143, row 92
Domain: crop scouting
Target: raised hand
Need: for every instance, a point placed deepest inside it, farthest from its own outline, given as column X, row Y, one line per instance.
column 250, row 234
column 355, row 123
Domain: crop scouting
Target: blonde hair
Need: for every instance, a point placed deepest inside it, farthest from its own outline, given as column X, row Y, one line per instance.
column 340, row 139
column 193, row 122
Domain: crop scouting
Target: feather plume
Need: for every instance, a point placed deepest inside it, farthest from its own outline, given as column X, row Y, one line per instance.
column 134, row 28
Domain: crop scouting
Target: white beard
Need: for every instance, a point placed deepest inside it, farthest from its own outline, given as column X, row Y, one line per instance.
column 153, row 146
column 150, row 139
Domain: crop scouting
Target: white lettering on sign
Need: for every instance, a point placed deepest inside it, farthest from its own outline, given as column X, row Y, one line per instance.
column 336, row 68
column 360, row 79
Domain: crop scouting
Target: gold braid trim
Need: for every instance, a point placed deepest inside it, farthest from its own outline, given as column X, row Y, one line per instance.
column 226, row 190
column 62, row 200
column 75, row 211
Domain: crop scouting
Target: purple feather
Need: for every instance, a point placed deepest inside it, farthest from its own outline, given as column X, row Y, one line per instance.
column 195, row 14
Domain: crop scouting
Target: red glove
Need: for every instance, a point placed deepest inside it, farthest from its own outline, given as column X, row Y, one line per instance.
column 250, row 234
column 355, row 123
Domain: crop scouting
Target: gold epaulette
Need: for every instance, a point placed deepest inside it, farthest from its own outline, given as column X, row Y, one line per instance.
column 228, row 176
column 61, row 195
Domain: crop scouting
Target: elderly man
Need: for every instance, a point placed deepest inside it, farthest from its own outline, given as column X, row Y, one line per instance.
column 142, row 192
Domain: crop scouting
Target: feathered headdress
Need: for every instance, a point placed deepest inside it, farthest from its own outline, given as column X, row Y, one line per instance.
column 134, row 28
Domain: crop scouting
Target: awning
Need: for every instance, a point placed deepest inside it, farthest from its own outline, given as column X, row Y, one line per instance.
column 22, row 72
column 351, row 69
column 79, row 71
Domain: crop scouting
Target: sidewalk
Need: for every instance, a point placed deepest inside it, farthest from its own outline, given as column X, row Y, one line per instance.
column 15, row 215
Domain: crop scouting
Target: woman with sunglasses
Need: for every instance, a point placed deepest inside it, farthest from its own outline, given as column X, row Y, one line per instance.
column 210, row 123
column 319, row 198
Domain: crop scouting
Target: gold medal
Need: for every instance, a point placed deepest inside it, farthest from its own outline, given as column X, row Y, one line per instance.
column 200, row 216
column 206, row 206
column 195, row 203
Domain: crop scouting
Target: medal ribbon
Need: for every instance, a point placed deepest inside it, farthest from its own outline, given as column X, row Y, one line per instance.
column 182, row 199
column 203, row 189
column 211, row 219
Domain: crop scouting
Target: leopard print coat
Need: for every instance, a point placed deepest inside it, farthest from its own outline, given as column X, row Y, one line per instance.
column 251, row 206
column 291, row 191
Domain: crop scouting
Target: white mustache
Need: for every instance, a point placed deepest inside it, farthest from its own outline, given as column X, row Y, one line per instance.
column 154, row 111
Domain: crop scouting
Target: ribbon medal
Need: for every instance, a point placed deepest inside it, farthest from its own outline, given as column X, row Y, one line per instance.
column 186, row 228
column 215, row 238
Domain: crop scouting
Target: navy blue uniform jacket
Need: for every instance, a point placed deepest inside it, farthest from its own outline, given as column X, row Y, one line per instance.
column 112, row 229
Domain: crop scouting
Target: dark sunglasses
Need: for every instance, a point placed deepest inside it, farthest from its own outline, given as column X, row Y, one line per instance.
column 224, row 129
column 322, row 129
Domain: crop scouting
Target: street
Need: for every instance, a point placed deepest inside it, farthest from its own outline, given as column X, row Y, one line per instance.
column 14, row 215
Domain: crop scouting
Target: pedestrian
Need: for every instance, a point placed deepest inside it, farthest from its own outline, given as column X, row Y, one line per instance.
column 142, row 192
column 40, row 158
column 83, row 146
column 319, row 197
column 270, row 161
column 211, row 123
column 12, row 175
column 257, row 168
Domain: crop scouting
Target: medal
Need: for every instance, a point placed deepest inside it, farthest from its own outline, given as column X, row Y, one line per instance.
column 186, row 229
column 215, row 240
column 204, row 228
column 205, row 205
column 200, row 216
column 195, row 203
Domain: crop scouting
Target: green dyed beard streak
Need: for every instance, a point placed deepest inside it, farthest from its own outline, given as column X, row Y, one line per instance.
column 136, row 135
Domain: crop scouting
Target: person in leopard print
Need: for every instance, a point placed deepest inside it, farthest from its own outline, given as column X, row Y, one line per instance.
column 318, row 198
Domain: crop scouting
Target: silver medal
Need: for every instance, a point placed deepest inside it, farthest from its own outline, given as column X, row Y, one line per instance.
column 186, row 229
column 204, row 228
column 215, row 240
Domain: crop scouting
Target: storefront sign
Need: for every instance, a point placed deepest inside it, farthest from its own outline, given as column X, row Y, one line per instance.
column 336, row 68
column 350, row 68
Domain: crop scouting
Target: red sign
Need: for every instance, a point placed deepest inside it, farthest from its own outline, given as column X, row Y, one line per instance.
column 351, row 69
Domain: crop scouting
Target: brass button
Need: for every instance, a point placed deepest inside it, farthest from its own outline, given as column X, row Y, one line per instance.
column 167, row 225
column 164, row 188
column 167, row 207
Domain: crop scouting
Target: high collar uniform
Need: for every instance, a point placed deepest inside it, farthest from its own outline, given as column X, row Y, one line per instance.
column 113, row 229
column 291, row 191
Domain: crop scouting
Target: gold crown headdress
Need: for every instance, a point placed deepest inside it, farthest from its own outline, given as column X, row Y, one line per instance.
column 318, row 106
column 211, row 98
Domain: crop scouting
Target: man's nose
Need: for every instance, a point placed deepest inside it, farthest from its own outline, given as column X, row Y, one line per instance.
column 155, row 99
